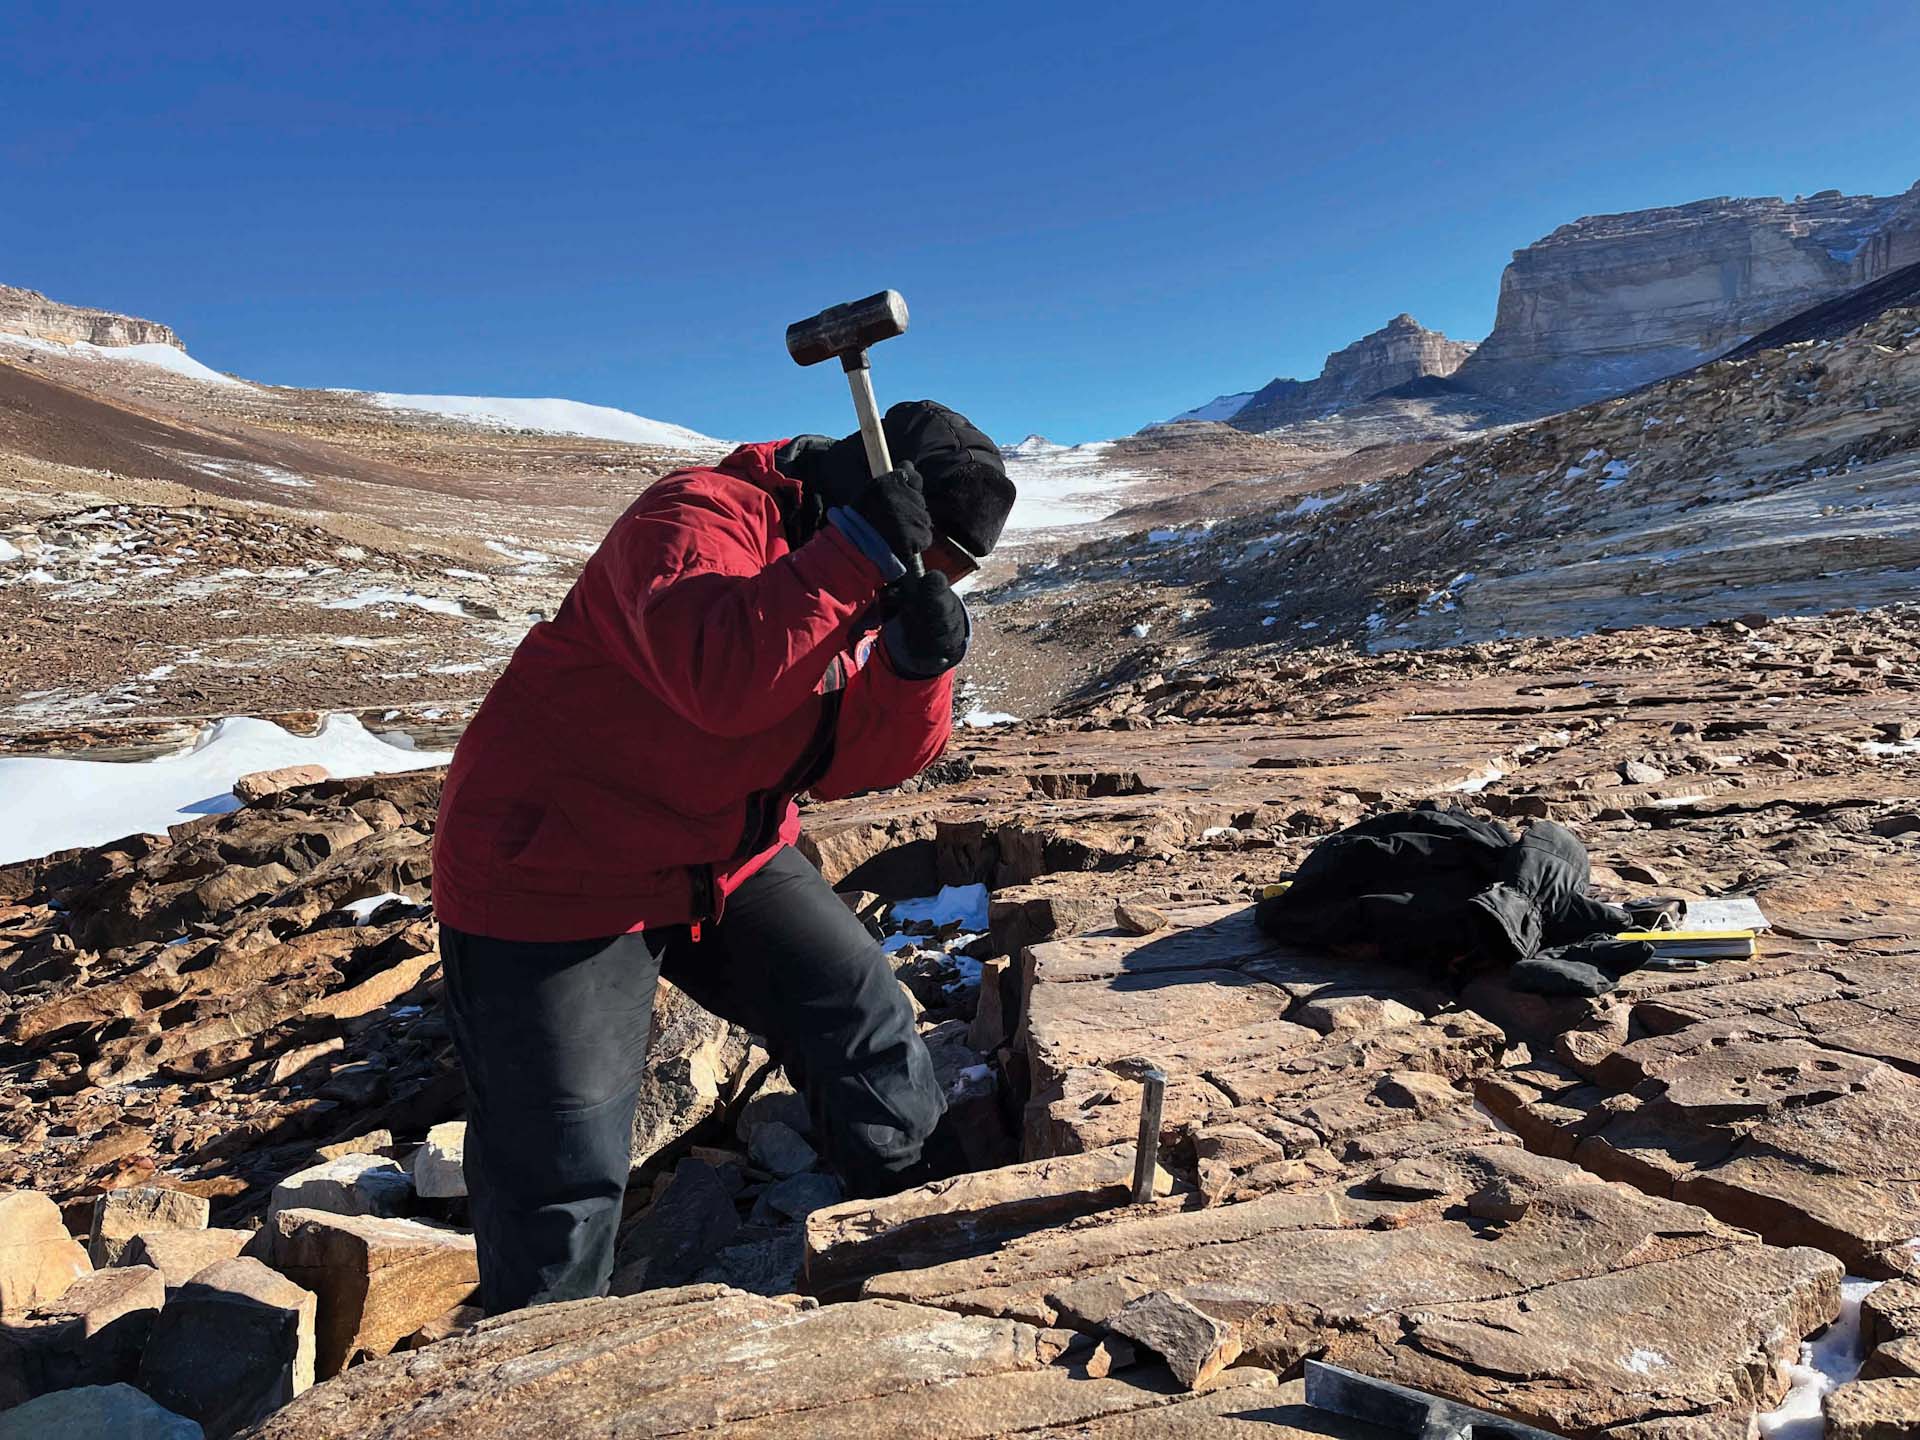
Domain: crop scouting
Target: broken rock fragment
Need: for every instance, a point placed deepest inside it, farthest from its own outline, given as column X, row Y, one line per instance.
column 259, row 784
column 232, row 1346
column 439, row 1165
column 119, row 1215
column 38, row 1258
column 377, row 1279
column 1195, row 1346
column 179, row 1255
column 349, row 1185
column 96, row 1332
column 96, row 1412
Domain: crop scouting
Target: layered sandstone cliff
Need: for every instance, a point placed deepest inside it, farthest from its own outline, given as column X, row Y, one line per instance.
column 1398, row 353
column 1611, row 302
column 29, row 313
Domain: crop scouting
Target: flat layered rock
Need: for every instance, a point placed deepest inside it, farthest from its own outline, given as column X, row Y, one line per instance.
column 704, row 1358
column 1515, row 1283
column 965, row 1215
column 1233, row 1019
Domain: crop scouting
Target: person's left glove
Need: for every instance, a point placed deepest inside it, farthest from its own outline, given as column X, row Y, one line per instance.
column 927, row 630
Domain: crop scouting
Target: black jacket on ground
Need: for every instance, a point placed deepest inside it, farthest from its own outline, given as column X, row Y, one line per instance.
column 1449, row 893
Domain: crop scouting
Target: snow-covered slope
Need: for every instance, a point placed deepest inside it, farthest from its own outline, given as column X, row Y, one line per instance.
column 164, row 357
column 553, row 417
column 1063, row 485
column 57, row 804
column 1221, row 407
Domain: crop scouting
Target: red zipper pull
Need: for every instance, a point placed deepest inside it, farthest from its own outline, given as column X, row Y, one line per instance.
column 694, row 931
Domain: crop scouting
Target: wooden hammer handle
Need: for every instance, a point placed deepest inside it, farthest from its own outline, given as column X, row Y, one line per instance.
column 879, row 461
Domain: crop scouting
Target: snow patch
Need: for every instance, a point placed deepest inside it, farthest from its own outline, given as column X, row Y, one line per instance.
column 160, row 357
column 982, row 719
column 964, row 905
column 1221, row 407
column 551, row 417
column 1827, row 1362
column 381, row 595
column 58, row 804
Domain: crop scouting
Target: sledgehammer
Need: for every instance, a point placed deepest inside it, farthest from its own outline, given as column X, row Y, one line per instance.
column 845, row 331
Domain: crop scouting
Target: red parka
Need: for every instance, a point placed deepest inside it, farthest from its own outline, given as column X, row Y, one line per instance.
column 640, row 755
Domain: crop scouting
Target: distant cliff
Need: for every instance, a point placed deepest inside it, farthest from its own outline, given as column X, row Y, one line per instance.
column 1400, row 352
column 1614, row 301
column 28, row 312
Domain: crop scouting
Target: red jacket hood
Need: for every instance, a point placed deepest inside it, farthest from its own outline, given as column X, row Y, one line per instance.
column 754, row 462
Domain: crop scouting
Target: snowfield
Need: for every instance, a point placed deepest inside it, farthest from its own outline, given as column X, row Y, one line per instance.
column 48, row 805
column 1063, row 484
column 162, row 357
column 551, row 417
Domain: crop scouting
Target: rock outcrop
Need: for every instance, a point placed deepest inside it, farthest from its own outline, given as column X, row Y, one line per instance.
column 29, row 313
column 1399, row 353
column 1614, row 301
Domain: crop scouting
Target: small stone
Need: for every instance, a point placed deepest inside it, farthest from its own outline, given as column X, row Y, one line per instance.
column 119, row 1215
column 1635, row 873
column 377, row 1279
column 1057, row 1344
column 1639, row 772
column 95, row 1333
column 259, row 784
column 439, row 1171
column 1137, row 919
column 96, row 1412
column 38, row 1258
column 179, row 1255
column 785, row 1106
column 349, row 1185
column 798, row 1196
column 777, row 1148
column 1109, row 1355
column 1874, row 1410
column 233, row 1345
column 1195, row 1346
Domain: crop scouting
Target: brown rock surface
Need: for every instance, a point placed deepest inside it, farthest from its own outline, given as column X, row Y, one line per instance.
column 1525, row 1287
column 96, row 1332
column 677, row 1362
column 1874, row 1410
column 259, row 784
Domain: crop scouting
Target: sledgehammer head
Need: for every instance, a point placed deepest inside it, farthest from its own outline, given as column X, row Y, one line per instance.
column 846, row 330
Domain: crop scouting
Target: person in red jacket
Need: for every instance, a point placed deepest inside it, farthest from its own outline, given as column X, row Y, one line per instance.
column 622, row 809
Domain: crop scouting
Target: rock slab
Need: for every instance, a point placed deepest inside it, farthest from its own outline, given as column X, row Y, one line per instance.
column 232, row 1346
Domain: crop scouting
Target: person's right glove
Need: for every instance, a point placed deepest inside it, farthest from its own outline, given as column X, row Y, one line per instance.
column 896, row 511
column 927, row 630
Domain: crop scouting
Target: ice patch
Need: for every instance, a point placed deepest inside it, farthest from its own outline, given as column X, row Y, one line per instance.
column 9, row 552
column 1478, row 780
column 964, row 905
column 380, row 595
column 58, row 804
column 1827, row 1362
column 551, row 417
column 982, row 719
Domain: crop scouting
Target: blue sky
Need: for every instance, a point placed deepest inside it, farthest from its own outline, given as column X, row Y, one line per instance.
column 1100, row 215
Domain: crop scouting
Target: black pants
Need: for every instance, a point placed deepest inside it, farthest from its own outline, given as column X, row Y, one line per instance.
column 553, row 1037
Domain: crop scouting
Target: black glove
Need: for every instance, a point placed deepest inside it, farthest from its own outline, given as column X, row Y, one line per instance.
column 895, row 508
column 926, row 633
column 1591, row 969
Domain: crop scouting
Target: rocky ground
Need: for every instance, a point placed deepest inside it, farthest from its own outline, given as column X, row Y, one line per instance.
column 1616, row 1217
